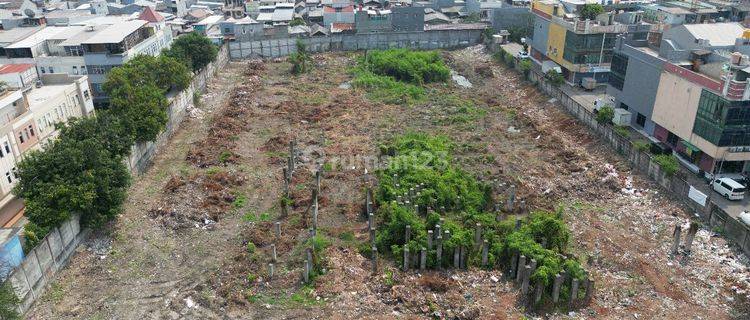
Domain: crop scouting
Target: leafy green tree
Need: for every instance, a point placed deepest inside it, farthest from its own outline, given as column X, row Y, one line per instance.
column 555, row 78
column 605, row 114
column 194, row 49
column 297, row 22
column 142, row 110
column 300, row 59
column 166, row 72
column 8, row 302
column 72, row 175
column 590, row 11
column 108, row 129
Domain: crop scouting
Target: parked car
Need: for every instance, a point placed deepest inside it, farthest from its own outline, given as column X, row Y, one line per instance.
column 522, row 55
column 729, row 188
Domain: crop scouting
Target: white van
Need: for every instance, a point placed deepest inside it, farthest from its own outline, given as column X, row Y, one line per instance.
column 729, row 188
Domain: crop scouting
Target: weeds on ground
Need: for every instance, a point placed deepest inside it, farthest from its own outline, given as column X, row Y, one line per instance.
column 425, row 162
column 668, row 163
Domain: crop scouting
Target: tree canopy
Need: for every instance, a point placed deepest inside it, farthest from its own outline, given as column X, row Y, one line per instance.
column 193, row 48
column 590, row 11
column 74, row 174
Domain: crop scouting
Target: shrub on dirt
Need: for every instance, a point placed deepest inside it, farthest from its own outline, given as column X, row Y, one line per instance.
column 417, row 67
column 668, row 163
column 605, row 114
column 423, row 162
column 193, row 49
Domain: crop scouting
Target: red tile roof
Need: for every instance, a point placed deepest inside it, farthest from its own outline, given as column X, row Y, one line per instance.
column 14, row 68
column 150, row 15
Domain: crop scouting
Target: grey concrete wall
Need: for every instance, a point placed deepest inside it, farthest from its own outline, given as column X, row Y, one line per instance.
column 427, row 40
column 142, row 153
column 30, row 279
column 539, row 35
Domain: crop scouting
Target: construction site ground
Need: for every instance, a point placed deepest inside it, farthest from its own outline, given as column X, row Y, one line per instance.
column 180, row 248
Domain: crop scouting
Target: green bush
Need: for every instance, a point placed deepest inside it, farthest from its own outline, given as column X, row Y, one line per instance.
column 251, row 248
column 193, row 49
column 416, row 67
column 509, row 60
column 8, row 302
column 668, row 163
column 622, row 131
column 525, row 66
column 386, row 89
column 605, row 115
column 418, row 158
column 590, row 11
column 641, row 145
column 555, row 78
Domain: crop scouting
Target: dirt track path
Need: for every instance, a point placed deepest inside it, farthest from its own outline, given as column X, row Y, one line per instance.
column 148, row 268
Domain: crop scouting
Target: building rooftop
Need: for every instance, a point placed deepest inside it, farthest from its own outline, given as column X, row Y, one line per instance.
column 718, row 34
column 150, row 15
column 39, row 37
column 116, row 32
column 210, row 20
column 38, row 97
column 15, row 68
column 16, row 34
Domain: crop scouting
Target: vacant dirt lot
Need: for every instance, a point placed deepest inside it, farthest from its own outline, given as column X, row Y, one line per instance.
column 180, row 248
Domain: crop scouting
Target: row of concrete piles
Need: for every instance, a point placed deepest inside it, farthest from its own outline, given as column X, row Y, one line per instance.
column 521, row 268
column 309, row 261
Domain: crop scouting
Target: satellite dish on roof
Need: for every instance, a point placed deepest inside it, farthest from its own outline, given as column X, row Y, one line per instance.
column 29, row 13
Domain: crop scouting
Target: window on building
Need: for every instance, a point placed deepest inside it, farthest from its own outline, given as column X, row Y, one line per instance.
column 86, row 94
column 8, row 177
column 42, row 69
column 31, row 130
column 7, row 147
column 51, row 70
column 75, row 70
column 640, row 120
column 722, row 122
column 20, row 137
column 83, row 69
column 672, row 139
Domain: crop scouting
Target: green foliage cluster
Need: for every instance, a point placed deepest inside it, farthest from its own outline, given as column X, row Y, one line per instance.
column 554, row 78
column 668, row 163
column 421, row 159
column 8, row 302
column 297, row 22
column 525, row 66
column 590, row 11
column 194, row 49
column 544, row 227
column 81, row 172
column 459, row 110
column 641, row 145
column 605, row 114
column 137, row 91
column 318, row 243
column 416, row 67
column 300, row 59
column 622, row 131
column 386, row 89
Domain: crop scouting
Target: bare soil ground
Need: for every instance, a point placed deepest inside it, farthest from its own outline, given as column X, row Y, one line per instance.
column 180, row 248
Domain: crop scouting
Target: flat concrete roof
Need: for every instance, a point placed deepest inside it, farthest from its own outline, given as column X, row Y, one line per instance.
column 116, row 32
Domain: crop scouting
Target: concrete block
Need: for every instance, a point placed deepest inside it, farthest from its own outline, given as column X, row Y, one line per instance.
column 31, row 268
column 44, row 257
column 20, row 284
column 55, row 243
column 66, row 233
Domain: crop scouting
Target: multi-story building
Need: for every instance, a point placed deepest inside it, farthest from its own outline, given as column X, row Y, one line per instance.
column 689, row 88
column 27, row 118
column 338, row 13
column 582, row 48
column 93, row 48
column 369, row 20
